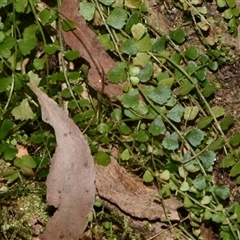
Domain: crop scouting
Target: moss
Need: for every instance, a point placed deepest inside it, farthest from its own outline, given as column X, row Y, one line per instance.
column 25, row 219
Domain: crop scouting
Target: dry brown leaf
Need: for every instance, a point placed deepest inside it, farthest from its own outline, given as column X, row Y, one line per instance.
column 127, row 194
column 83, row 39
column 70, row 182
column 22, row 151
column 132, row 197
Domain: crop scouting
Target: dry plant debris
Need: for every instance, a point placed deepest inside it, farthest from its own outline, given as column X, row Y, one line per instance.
column 83, row 39
column 131, row 196
column 70, row 182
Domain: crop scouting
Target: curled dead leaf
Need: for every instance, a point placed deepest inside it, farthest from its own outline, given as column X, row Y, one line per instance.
column 131, row 196
column 83, row 39
column 70, row 182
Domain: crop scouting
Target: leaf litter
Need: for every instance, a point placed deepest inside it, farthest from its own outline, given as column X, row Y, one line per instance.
column 83, row 39
column 70, row 182
column 128, row 192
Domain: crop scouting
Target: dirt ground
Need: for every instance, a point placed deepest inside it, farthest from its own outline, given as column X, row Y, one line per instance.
column 228, row 97
column 227, row 79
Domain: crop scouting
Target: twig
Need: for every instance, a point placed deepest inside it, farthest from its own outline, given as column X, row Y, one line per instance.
column 167, row 229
